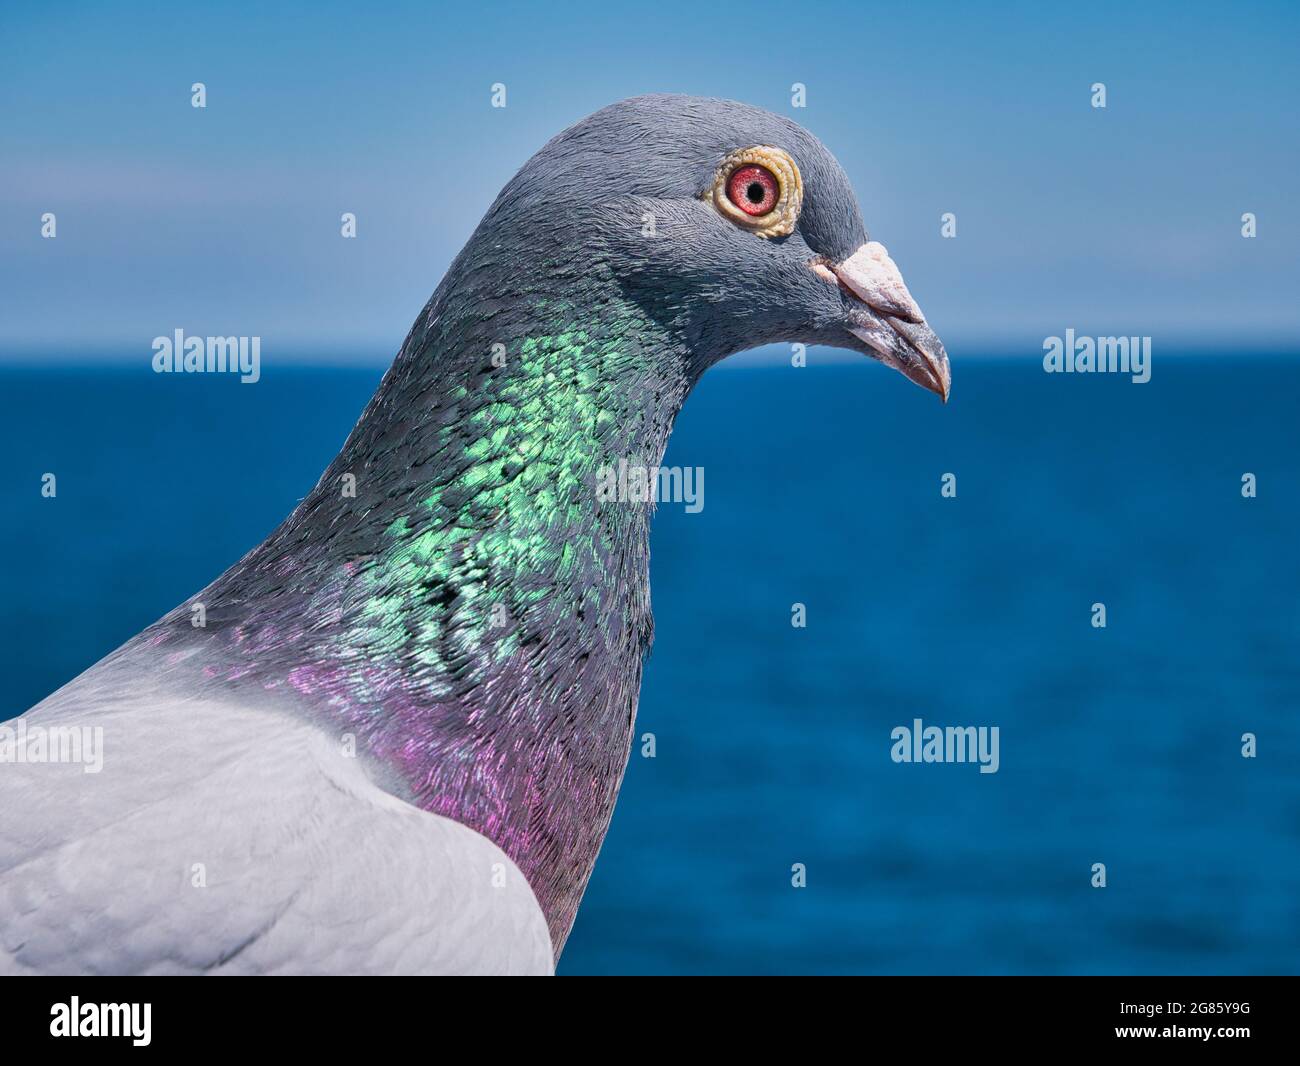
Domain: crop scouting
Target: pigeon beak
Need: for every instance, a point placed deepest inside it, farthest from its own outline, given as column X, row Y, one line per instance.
column 884, row 316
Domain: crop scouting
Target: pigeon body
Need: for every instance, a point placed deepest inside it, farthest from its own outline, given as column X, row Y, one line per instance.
column 220, row 838
column 396, row 743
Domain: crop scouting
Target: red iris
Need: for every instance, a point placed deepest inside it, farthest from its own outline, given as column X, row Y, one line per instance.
column 753, row 189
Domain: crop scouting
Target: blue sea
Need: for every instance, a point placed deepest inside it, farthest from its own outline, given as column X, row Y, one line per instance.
column 1119, row 745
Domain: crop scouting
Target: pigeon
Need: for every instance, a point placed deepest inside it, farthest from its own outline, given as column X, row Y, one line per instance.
column 390, row 738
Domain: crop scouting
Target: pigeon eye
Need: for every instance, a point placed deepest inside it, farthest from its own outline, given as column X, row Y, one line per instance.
column 759, row 189
column 753, row 189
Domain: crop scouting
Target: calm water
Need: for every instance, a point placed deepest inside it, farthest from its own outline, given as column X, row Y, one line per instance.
column 1119, row 745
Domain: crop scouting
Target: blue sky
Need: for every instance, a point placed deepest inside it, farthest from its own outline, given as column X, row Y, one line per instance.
column 1116, row 221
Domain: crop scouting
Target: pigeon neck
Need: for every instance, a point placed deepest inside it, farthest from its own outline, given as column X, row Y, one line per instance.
column 454, row 594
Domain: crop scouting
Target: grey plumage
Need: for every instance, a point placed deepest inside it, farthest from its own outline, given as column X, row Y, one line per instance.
column 474, row 615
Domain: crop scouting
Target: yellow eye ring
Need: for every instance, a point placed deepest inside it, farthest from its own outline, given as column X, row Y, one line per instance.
column 780, row 219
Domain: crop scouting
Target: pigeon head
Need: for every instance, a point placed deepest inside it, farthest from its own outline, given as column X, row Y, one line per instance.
column 728, row 226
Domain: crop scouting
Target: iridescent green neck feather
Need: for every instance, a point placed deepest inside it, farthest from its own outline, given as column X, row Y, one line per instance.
column 473, row 614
